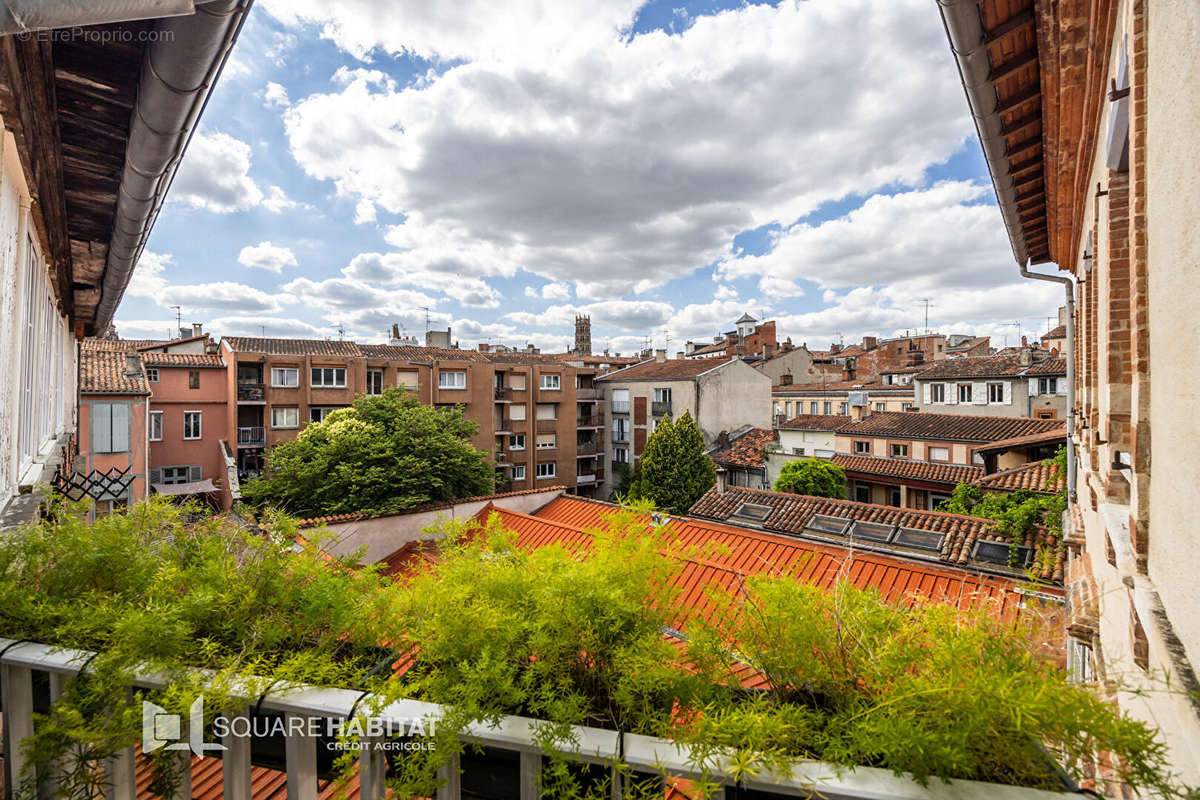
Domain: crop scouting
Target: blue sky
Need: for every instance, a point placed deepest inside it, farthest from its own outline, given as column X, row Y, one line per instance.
column 662, row 166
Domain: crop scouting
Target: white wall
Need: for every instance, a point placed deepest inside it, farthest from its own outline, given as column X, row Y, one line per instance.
column 732, row 397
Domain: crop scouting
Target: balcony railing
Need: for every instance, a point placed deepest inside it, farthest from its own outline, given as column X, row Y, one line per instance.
column 594, row 421
column 253, row 435
column 547, row 425
column 660, row 409
column 616, row 466
column 503, row 393
column 251, row 391
column 620, row 406
column 587, row 448
column 26, row 664
column 585, row 477
column 587, row 393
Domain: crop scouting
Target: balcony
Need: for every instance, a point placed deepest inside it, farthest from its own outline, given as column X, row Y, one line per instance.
column 620, row 437
column 587, row 449
column 254, row 436
column 660, row 409
column 585, row 478
column 503, row 394
column 587, row 393
column 251, row 392
column 547, row 425
column 620, row 406
column 505, row 425
column 594, row 421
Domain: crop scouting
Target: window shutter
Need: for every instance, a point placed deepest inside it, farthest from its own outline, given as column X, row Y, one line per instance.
column 1008, row 393
column 1060, row 385
column 101, row 427
column 979, row 392
column 195, row 473
column 1033, row 387
column 155, row 476
column 120, row 428
column 951, row 393
column 928, row 389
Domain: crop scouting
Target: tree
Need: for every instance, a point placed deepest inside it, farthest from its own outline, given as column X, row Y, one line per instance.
column 383, row 454
column 675, row 470
column 812, row 476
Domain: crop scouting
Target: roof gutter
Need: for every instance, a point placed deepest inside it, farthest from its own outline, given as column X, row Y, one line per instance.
column 26, row 16
column 964, row 29
column 180, row 69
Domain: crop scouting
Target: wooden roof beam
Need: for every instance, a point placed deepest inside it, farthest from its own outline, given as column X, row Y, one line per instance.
column 1017, row 169
column 1021, row 147
column 1017, row 62
column 1021, row 122
column 1032, row 194
column 1034, row 92
column 1016, row 22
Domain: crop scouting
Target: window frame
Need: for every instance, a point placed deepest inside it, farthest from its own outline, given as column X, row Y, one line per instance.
column 552, row 473
column 550, row 382
column 991, row 387
column 294, row 370
column 859, row 450
column 375, row 381
column 185, row 468
column 966, row 389
column 193, row 379
column 444, row 386
column 518, row 472
column 152, row 375
column 512, row 437
column 662, row 395
column 323, row 384
column 156, row 418
column 552, row 445
column 199, row 416
column 892, row 450
column 275, row 427
column 937, row 393
column 930, row 456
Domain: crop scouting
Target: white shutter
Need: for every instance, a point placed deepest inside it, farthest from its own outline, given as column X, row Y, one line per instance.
column 979, row 393
column 951, row 390
column 120, row 428
column 927, row 389
column 195, row 473
column 101, row 418
column 1060, row 385
column 1033, row 387
column 1008, row 393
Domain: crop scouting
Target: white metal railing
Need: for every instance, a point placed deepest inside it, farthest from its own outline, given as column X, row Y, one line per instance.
column 641, row 754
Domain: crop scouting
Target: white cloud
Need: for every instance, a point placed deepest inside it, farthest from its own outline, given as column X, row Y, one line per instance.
column 221, row 296
column 149, row 277
column 215, row 175
column 364, row 212
column 556, row 291
column 340, row 295
column 777, row 286
column 276, row 201
column 618, row 164
column 275, row 95
column 268, row 256
column 395, row 269
column 725, row 292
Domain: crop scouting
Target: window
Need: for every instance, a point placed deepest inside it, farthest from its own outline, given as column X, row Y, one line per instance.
column 828, row 407
column 374, row 381
column 812, row 407
column 546, row 470
column 939, row 454
column 516, row 412
column 551, row 383
column 285, row 377
column 329, row 377
column 881, row 406
column 1080, row 667
column 862, row 448
column 898, row 450
column 797, row 451
column 894, row 496
column 518, row 472
column 156, row 420
column 285, row 417
column 407, row 379
column 152, row 375
column 862, row 493
column 843, row 408
column 995, row 392
column 547, row 411
column 193, row 379
column 937, row 392
column 319, row 413
column 621, row 455
column 191, row 424
column 174, row 475
column 936, row 499
column 546, row 441
column 1045, row 415
column 110, row 427
column 620, row 401
column 1047, row 385
column 516, row 381
column 516, row 441
column 620, row 430
column 964, row 393
column 452, row 380
column 906, row 406
column 662, row 395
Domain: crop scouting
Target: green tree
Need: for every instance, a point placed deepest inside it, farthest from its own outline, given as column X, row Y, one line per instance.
column 385, row 453
column 675, row 470
column 812, row 476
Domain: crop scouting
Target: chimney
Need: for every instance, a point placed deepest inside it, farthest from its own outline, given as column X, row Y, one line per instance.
column 133, row 364
column 185, row 333
column 197, row 329
column 766, row 350
column 484, row 347
column 1026, row 357
column 785, row 379
column 688, row 347
column 1024, row 341
column 660, row 355
column 721, row 473
column 834, row 347
column 870, row 342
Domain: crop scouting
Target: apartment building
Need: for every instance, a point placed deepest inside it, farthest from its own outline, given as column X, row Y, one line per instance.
column 76, row 114
column 1091, row 144
column 723, row 395
column 853, row 399
column 1028, row 383
column 539, row 415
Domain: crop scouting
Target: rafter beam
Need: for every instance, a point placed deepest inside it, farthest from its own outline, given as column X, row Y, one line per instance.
column 1017, row 62
column 1019, row 99
column 1016, row 22
column 1021, row 122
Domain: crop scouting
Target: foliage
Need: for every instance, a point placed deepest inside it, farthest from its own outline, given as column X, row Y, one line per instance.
column 385, row 453
column 1016, row 512
column 576, row 634
column 626, row 478
column 816, row 477
column 675, row 469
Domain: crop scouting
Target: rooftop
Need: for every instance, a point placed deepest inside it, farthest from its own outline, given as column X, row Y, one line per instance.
column 1058, row 434
column 1059, row 332
column 203, row 360
column 671, row 369
column 102, row 370
column 816, row 422
column 998, row 366
column 1036, row 476
column 931, row 471
column 839, row 386
column 746, row 451
column 794, row 515
column 950, row 427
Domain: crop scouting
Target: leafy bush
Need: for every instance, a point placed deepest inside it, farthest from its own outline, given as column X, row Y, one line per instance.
column 385, row 453
column 674, row 470
column 812, row 476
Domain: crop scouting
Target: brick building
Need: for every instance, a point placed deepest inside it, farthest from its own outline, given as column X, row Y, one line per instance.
column 1088, row 113
column 749, row 339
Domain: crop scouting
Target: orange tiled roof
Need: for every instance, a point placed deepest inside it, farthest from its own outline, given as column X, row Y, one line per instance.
column 671, row 369
column 1051, row 366
column 746, row 451
column 907, row 468
column 208, row 782
column 292, row 347
column 1055, row 333
column 791, row 513
column 1058, row 434
column 392, row 352
column 205, row 360
column 336, row 518
column 103, row 371
column 997, row 366
column 816, row 422
column 950, row 427
column 1037, row 476
column 831, row 387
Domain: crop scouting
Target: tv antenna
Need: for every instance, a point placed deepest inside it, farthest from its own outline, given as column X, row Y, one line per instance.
column 426, row 310
column 341, row 329
column 178, row 317
column 927, row 302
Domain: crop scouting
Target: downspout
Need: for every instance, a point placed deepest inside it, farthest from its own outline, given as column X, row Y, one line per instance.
column 964, row 29
column 178, row 74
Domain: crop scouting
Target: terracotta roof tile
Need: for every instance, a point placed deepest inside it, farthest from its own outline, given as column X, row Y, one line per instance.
column 1055, row 333
column 746, row 451
column 1036, row 476
column 1051, row 366
column 1058, row 434
column 950, row 427
column 336, row 518
column 829, row 387
column 671, row 369
column 906, row 468
column 791, row 513
column 816, row 422
column 998, row 366
column 209, row 360
column 292, row 347
column 393, row 352
column 103, row 371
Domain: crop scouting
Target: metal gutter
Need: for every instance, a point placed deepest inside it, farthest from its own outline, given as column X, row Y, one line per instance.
column 180, row 69
column 27, row 16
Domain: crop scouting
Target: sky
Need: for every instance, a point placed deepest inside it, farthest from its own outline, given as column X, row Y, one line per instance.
column 502, row 167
